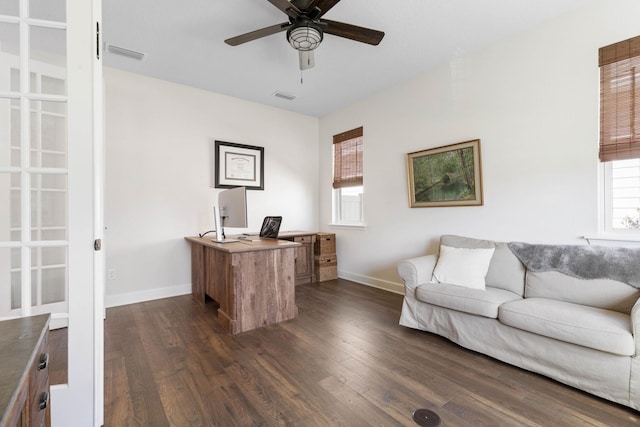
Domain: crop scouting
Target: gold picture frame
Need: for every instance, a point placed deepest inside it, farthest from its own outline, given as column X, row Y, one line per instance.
column 450, row 175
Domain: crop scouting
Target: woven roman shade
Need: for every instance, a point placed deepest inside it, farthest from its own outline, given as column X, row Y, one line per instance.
column 347, row 162
column 620, row 100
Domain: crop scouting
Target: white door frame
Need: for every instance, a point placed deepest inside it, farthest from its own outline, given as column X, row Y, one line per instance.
column 80, row 402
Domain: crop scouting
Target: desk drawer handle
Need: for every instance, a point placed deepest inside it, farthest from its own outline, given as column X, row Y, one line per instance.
column 44, row 361
column 44, row 400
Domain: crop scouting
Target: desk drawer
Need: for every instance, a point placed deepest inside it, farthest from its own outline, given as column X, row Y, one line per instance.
column 304, row 239
column 39, row 385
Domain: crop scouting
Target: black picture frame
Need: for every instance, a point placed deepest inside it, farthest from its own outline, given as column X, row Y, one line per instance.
column 238, row 165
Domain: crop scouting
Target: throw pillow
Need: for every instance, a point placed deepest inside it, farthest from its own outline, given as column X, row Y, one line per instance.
column 463, row 266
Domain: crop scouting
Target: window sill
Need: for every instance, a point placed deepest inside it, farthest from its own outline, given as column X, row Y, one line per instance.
column 613, row 238
column 361, row 227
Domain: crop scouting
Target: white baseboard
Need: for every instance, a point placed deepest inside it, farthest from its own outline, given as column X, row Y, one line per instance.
column 386, row 285
column 174, row 291
column 148, row 295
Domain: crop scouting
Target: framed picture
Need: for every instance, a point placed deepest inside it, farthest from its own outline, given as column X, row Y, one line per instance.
column 445, row 176
column 238, row 165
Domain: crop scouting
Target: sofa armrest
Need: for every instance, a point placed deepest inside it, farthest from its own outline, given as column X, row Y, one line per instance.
column 416, row 271
column 635, row 325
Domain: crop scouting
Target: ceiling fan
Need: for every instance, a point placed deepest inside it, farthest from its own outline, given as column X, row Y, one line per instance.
column 306, row 28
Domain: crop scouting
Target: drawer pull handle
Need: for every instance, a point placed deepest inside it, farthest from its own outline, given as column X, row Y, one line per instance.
column 44, row 400
column 44, row 361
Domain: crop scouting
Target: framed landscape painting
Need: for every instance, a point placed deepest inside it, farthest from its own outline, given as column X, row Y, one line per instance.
column 445, row 176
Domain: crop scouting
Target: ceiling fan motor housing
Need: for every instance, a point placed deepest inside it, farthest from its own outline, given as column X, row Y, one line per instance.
column 305, row 35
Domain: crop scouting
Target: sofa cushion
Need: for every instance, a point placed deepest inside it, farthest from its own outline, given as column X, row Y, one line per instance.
column 602, row 293
column 463, row 266
column 481, row 302
column 505, row 270
column 596, row 328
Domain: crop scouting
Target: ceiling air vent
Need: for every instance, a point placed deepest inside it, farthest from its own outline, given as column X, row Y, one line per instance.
column 284, row 95
column 125, row 52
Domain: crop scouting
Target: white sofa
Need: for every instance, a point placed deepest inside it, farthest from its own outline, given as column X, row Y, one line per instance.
column 580, row 331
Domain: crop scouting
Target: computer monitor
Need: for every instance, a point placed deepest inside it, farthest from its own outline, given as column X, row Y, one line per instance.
column 231, row 211
column 233, row 207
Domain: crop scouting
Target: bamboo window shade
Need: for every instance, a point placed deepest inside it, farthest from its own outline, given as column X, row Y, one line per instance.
column 347, row 162
column 620, row 100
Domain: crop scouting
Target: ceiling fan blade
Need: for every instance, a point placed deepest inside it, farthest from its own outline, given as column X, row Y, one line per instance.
column 323, row 5
column 307, row 60
column 253, row 35
column 303, row 5
column 286, row 7
column 353, row 32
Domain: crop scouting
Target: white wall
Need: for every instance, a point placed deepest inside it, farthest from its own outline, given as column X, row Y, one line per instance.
column 533, row 102
column 158, row 137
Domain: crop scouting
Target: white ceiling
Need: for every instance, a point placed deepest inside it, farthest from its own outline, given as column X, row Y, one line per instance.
column 184, row 42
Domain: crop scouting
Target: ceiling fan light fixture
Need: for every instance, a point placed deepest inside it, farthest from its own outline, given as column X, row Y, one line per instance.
column 305, row 37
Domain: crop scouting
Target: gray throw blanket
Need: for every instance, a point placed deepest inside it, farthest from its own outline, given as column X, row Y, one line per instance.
column 583, row 262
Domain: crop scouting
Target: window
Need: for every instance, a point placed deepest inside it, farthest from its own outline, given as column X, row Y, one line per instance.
column 622, row 195
column 620, row 134
column 348, row 178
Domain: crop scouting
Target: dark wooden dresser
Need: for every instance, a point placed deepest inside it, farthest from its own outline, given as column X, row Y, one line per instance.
column 24, row 372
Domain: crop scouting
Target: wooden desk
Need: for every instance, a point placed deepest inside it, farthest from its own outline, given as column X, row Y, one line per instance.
column 304, row 254
column 24, row 377
column 253, row 282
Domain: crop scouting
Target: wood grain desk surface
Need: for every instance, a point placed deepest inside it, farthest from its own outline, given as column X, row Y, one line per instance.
column 262, row 244
column 19, row 340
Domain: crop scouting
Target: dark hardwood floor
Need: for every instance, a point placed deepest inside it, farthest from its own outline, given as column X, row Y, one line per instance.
column 58, row 349
column 344, row 361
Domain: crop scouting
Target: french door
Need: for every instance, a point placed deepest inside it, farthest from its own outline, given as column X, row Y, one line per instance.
column 51, row 186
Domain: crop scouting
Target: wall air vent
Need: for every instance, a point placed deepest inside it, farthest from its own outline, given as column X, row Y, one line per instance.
column 284, row 95
column 124, row 52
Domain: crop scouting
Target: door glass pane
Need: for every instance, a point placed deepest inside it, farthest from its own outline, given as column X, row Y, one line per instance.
column 48, row 207
column 49, row 276
column 51, row 234
column 10, row 207
column 54, row 284
column 48, row 56
column 16, row 290
column 53, row 86
column 9, row 134
column 51, row 10
column 34, row 287
column 14, row 84
column 9, row 264
column 48, row 134
column 9, row 59
column 54, row 130
column 54, row 256
column 9, row 7
column 48, row 203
